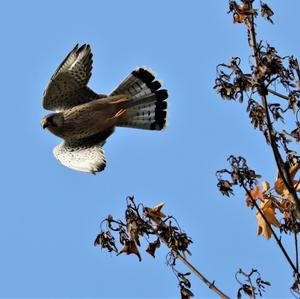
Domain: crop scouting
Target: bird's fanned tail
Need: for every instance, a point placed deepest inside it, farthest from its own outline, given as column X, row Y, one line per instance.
column 147, row 106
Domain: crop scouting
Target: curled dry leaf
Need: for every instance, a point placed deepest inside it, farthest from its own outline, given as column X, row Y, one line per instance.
column 266, row 12
column 185, row 293
column 286, row 208
column 106, row 240
column 225, row 187
column 238, row 17
column 279, row 185
column 265, row 185
column 184, row 281
column 132, row 229
column 130, row 248
column 152, row 247
column 155, row 213
column 241, row 11
column 256, row 194
column 268, row 209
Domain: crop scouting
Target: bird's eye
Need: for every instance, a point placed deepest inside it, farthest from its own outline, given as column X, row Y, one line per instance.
column 55, row 124
column 52, row 122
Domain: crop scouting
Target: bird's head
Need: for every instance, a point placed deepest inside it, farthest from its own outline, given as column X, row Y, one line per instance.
column 52, row 121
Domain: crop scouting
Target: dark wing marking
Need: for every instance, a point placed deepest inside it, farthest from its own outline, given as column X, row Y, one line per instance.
column 68, row 86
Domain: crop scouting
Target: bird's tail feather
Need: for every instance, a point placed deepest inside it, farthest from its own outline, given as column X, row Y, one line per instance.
column 147, row 106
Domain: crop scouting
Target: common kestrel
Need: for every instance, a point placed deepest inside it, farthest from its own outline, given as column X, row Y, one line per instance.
column 84, row 119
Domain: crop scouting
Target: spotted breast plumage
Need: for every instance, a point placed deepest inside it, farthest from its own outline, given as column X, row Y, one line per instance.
column 84, row 119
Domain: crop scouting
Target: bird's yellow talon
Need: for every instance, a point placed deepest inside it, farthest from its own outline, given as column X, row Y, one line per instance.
column 120, row 113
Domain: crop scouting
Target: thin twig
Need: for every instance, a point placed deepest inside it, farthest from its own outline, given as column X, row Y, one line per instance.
column 248, row 276
column 251, row 285
column 275, row 93
column 296, row 251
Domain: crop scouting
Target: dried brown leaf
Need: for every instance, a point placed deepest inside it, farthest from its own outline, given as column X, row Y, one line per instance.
column 256, row 194
column 265, row 185
column 132, row 229
column 130, row 248
column 152, row 247
column 185, row 293
column 238, row 17
column 155, row 212
column 268, row 209
column 279, row 185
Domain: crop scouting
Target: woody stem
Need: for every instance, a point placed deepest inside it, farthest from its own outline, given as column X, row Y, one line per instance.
column 275, row 93
column 211, row 285
column 279, row 243
column 283, row 169
column 296, row 252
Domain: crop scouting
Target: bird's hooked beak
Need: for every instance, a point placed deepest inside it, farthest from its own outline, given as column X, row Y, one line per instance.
column 44, row 123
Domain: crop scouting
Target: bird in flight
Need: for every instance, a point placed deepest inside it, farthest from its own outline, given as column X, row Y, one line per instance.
column 84, row 119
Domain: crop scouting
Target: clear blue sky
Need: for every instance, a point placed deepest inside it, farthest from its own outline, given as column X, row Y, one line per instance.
column 49, row 215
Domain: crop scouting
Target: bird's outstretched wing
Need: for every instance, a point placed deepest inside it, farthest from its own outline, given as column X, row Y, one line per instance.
column 68, row 86
column 85, row 154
